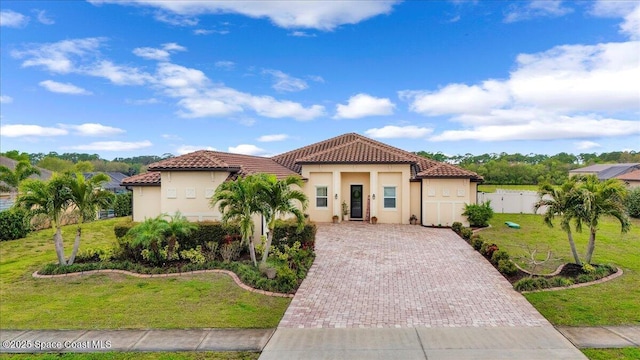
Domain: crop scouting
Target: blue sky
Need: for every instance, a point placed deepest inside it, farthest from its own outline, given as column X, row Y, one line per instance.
column 136, row 77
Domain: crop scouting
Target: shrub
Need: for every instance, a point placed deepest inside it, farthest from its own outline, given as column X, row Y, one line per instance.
column 507, row 267
column 286, row 233
column 478, row 214
column 95, row 254
column 530, row 284
column 588, row 269
column 466, row 233
column 230, row 251
column 122, row 205
column 488, row 249
column 194, row 256
column 121, row 229
column 210, row 231
column 559, row 281
column 499, row 255
column 14, row 224
column 633, row 203
column 477, row 243
column 286, row 277
column 456, row 226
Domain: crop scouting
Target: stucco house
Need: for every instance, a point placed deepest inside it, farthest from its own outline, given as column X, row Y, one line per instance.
column 632, row 178
column 373, row 178
column 606, row 171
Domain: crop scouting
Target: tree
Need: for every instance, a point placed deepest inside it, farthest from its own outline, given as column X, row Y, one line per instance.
column 13, row 178
column 178, row 226
column 52, row 199
column 150, row 235
column 50, row 162
column 601, row 198
column 237, row 200
column 88, row 196
column 560, row 201
column 277, row 198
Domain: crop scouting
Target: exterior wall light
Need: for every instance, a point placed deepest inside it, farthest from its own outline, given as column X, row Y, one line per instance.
column 373, row 196
column 336, row 197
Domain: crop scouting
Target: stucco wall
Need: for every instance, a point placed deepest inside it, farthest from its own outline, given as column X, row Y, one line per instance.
column 415, row 200
column 444, row 200
column 190, row 192
column 146, row 202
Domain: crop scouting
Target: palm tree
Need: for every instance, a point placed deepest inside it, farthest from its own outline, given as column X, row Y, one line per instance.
column 602, row 198
column 13, row 178
column 88, row 196
column 150, row 235
column 52, row 199
column 178, row 226
column 561, row 202
column 237, row 200
column 277, row 198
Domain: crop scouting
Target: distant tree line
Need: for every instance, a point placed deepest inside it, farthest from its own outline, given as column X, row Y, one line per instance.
column 79, row 162
column 530, row 169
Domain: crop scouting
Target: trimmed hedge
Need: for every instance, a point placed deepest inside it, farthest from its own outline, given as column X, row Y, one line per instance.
column 286, row 233
column 210, row 231
column 123, row 204
column 14, row 224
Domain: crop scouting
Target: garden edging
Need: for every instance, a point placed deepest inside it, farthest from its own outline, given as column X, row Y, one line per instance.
column 599, row 281
column 233, row 276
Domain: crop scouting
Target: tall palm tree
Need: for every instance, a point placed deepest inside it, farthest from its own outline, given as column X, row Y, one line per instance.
column 52, row 199
column 88, row 196
column 602, row 198
column 563, row 202
column 278, row 198
column 11, row 179
column 237, row 200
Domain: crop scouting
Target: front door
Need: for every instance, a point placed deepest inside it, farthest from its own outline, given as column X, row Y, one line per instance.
column 356, row 201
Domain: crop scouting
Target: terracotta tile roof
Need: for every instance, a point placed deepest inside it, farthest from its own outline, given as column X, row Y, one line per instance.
column 236, row 164
column 151, row 178
column 630, row 176
column 354, row 148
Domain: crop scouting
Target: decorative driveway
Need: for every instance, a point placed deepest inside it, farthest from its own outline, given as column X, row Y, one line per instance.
column 403, row 276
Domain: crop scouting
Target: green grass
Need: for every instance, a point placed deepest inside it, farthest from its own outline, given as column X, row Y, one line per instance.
column 113, row 301
column 611, row 303
column 630, row 353
column 492, row 188
column 138, row 355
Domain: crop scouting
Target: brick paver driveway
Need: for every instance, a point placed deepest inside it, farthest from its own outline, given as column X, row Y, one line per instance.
column 368, row 276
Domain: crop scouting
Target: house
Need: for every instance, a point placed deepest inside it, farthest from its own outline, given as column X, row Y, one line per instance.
column 373, row 178
column 115, row 179
column 606, row 171
column 632, row 178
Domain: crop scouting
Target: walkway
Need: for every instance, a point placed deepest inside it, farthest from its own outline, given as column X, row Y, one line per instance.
column 398, row 291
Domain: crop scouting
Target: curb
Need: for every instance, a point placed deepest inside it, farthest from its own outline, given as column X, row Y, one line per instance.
column 233, row 276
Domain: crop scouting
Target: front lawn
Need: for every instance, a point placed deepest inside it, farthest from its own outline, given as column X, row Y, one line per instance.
column 611, row 303
column 629, row 353
column 117, row 301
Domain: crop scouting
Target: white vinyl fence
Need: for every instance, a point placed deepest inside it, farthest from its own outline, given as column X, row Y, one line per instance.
column 511, row 201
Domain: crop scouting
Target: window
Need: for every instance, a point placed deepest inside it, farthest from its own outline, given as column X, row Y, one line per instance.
column 322, row 199
column 389, row 193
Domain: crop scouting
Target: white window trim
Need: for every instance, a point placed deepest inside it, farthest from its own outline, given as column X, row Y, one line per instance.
column 315, row 203
column 395, row 208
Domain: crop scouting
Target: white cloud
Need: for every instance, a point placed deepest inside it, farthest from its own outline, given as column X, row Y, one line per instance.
column 173, row 19
column 10, row 18
column 185, row 149
column 20, row 130
column 112, row 146
column 43, row 18
column 117, row 74
column 63, row 88
column 247, row 149
column 93, row 129
column 301, row 34
column 58, row 57
column 162, row 54
column 316, row 78
column 321, row 15
column 535, row 9
column 149, row 101
column 395, row 132
column 6, row 99
column 586, row 145
column 171, row 137
column 272, row 138
column 362, row 105
column 225, row 65
column 629, row 11
column 285, row 82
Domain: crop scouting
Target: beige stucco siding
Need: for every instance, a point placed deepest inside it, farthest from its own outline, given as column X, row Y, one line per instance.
column 146, row 202
column 190, row 193
column 319, row 179
column 443, row 200
column 414, row 199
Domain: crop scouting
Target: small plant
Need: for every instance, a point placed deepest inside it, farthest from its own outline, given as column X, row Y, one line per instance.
column 532, row 283
column 194, row 256
column 335, row 219
column 488, row 249
column 457, row 227
column 559, row 281
column 499, row 255
column 507, row 267
column 345, row 209
column 478, row 215
column 230, row 251
column 466, row 233
column 413, row 220
column 588, row 269
column 477, row 243
column 374, row 220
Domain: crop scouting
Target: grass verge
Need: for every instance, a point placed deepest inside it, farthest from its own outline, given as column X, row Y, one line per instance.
column 112, row 301
column 630, row 353
column 611, row 303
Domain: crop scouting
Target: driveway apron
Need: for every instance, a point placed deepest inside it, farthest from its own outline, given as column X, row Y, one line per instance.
column 423, row 289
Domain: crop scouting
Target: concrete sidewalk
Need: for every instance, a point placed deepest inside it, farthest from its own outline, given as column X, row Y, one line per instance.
column 26, row 341
column 602, row 336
